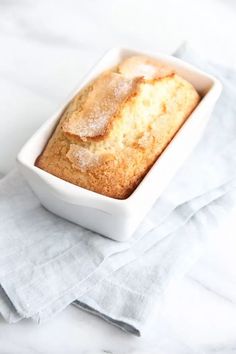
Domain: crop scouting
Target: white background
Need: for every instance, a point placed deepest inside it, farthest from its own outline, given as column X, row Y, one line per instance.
column 45, row 48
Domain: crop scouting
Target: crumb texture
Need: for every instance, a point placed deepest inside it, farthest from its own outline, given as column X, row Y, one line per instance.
column 114, row 130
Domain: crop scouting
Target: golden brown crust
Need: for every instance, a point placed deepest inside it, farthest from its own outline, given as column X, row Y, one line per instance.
column 114, row 162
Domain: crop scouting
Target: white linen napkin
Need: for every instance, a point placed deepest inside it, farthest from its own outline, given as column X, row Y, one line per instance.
column 46, row 262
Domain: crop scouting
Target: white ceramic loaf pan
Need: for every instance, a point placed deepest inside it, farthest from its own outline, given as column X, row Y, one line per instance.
column 118, row 219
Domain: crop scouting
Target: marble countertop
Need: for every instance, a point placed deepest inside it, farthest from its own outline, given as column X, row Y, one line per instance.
column 46, row 46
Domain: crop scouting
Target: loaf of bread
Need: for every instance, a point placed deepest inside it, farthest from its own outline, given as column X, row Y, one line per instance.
column 114, row 129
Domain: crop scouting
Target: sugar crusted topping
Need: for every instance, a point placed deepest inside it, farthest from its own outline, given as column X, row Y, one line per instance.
column 82, row 158
column 109, row 91
column 140, row 66
column 145, row 70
